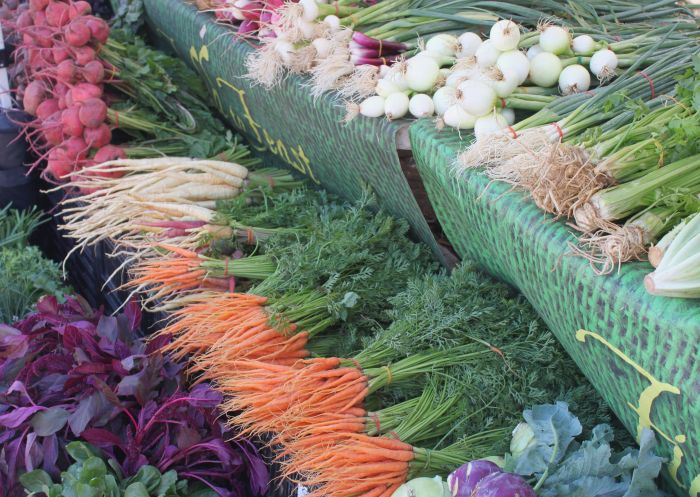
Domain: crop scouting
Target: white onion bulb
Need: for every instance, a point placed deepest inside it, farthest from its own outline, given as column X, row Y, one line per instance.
column 384, row 88
column 372, row 106
column 443, row 44
column 444, row 98
column 583, row 44
column 457, row 77
column 396, row 105
column 545, row 69
column 574, row 79
column 477, row 97
column 603, row 64
column 487, row 55
column 534, row 51
column 322, row 46
column 384, row 70
column 397, row 77
column 505, row 35
column 506, row 83
column 516, row 61
column 489, row 125
column 468, row 43
column 422, row 73
column 555, row 39
column 456, row 117
column 311, row 10
column 421, row 105
column 509, row 116
column 333, row 22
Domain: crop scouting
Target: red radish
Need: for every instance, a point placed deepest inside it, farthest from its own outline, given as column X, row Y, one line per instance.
column 24, row 20
column 94, row 72
column 93, row 112
column 98, row 27
column 39, row 18
column 98, row 137
column 65, row 71
column 76, row 148
column 77, row 33
column 78, row 9
column 57, row 14
column 109, row 152
column 43, row 36
column 33, row 95
column 60, row 54
column 81, row 92
column 53, row 135
column 47, row 108
column 71, row 122
column 58, row 164
column 83, row 55
column 37, row 5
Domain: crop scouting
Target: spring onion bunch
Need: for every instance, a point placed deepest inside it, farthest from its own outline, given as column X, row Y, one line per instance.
column 678, row 271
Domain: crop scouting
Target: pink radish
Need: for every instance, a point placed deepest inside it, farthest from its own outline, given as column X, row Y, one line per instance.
column 60, row 54
column 65, row 71
column 92, row 113
column 51, row 129
column 57, row 14
column 81, row 92
column 109, row 152
column 33, row 95
column 71, row 122
column 58, row 164
column 39, row 18
column 77, row 33
column 78, row 9
column 43, row 36
column 98, row 27
column 37, row 5
column 47, row 108
column 76, row 148
column 98, row 137
column 83, row 55
column 24, row 20
column 94, row 72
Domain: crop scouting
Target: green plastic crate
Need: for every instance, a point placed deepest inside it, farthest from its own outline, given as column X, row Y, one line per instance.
column 286, row 123
column 640, row 352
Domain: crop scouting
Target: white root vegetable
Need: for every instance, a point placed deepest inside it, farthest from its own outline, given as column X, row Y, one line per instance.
column 533, row 51
column 456, row 117
column 385, row 88
column 476, row 97
column 489, row 125
column 443, row 44
column 444, row 98
column 555, row 39
column 421, row 105
column 487, row 54
column 514, row 60
column 574, row 79
column 583, row 44
column 468, row 44
column 422, row 73
column 372, row 106
column 603, row 64
column 396, row 105
column 509, row 116
column 545, row 69
column 505, row 35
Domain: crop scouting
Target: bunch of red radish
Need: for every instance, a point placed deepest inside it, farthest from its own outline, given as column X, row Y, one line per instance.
column 62, row 84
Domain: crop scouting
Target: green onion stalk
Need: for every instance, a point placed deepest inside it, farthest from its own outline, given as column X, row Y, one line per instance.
column 678, row 272
column 621, row 201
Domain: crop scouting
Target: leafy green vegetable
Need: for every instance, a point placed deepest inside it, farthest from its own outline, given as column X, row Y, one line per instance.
column 26, row 275
column 544, row 449
column 17, row 225
column 128, row 15
column 90, row 476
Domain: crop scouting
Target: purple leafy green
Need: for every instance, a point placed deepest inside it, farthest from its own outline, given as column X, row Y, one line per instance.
column 68, row 372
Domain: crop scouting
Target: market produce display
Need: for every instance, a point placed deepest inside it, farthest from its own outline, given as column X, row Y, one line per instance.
column 313, row 329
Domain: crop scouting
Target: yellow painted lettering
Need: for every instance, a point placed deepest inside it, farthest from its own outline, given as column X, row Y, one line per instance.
column 307, row 164
column 254, row 126
column 270, row 141
column 282, row 151
column 695, row 487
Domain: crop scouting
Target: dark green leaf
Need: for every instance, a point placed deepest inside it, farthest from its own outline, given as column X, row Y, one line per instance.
column 36, row 481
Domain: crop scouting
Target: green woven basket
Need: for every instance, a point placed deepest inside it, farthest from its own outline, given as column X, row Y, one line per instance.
column 286, row 123
column 640, row 352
